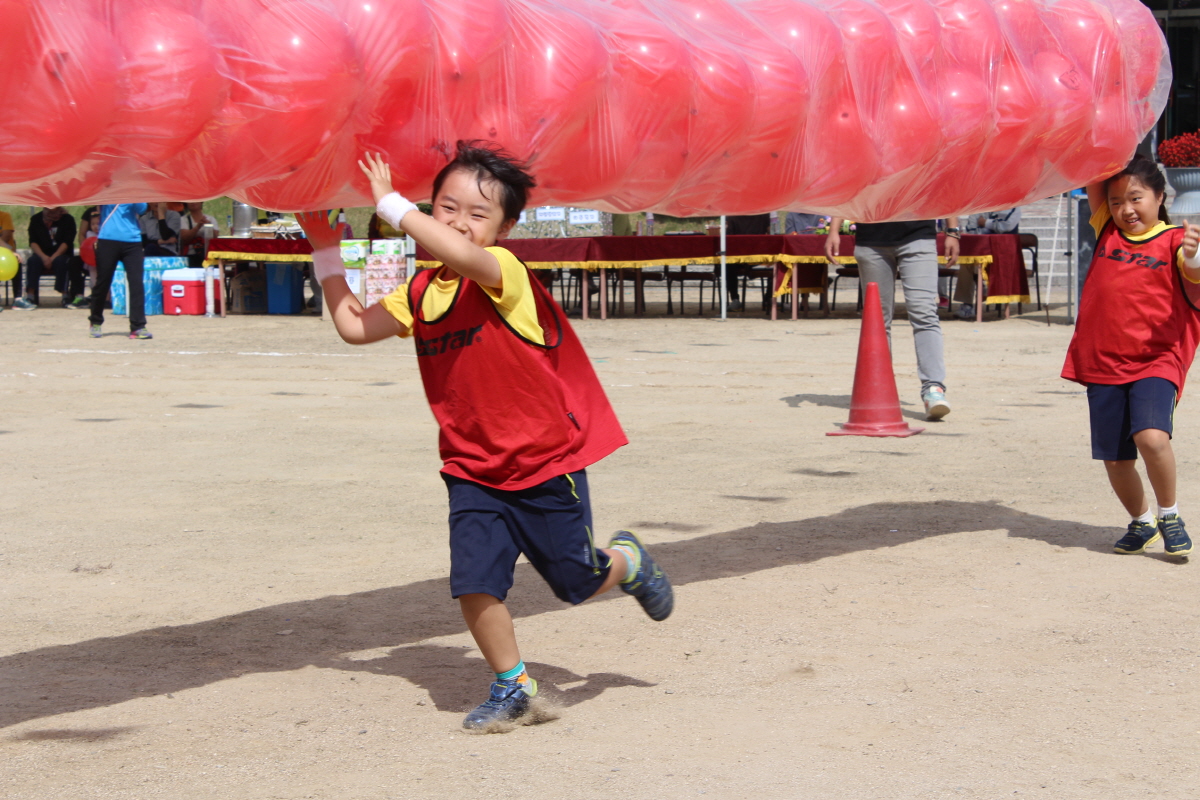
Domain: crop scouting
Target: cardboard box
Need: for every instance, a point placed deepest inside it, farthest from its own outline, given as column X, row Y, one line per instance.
column 248, row 292
column 383, row 274
column 355, row 252
column 387, row 247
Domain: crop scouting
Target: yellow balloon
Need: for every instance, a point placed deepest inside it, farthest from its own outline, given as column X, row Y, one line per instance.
column 8, row 264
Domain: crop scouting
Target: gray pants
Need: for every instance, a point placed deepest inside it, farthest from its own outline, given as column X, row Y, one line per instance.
column 917, row 264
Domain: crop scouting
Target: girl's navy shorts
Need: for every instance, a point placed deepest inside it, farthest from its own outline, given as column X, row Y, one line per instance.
column 550, row 523
column 1121, row 410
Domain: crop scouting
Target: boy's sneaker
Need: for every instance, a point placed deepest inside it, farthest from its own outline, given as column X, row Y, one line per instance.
column 140, row 333
column 936, row 406
column 1137, row 536
column 649, row 584
column 24, row 304
column 80, row 302
column 94, row 332
column 506, row 705
column 1175, row 537
column 965, row 311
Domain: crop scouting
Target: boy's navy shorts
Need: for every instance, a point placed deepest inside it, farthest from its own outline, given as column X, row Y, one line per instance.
column 550, row 523
column 1121, row 410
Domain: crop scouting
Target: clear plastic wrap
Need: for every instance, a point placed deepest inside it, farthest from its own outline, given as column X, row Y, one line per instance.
column 868, row 109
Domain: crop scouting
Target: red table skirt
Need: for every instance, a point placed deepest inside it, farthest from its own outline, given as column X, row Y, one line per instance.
column 259, row 250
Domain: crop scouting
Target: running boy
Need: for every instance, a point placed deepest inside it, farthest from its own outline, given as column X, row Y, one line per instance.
column 1134, row 341
column 520, row 410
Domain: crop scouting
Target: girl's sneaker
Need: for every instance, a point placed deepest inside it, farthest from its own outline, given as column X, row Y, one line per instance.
column 1175, row 537
column 23, row 304
column 508, row 703
column 94, row 332
column 140, row 333
column 1137, row 536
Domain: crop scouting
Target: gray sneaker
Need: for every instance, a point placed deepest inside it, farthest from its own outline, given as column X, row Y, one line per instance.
column 936, row 405
column 24, row 304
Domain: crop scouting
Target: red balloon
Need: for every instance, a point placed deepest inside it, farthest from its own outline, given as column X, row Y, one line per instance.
column 61, row 89
column 169, row 83
column 866, row 108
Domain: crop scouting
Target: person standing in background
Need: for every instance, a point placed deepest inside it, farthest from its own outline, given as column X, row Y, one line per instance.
column 193, row 234
column 909, row 248
column 120, row 239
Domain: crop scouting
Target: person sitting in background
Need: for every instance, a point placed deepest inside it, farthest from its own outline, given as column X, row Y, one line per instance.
column 8, row 237
column 52, row 240
column 193, row 234
column 160, row 233
column 1006, row 221
column 88, row 234
column 377, row 228
column 797, row 223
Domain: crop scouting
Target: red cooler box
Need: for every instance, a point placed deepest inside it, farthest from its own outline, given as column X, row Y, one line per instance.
column 183, row 292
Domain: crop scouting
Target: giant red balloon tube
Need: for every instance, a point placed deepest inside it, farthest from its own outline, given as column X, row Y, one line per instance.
column 868, row 109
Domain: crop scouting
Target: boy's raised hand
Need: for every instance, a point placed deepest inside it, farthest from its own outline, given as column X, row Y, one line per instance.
column 1191, row 240
column 378, row 173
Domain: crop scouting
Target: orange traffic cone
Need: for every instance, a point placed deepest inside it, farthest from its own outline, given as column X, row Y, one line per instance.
column 874, row 404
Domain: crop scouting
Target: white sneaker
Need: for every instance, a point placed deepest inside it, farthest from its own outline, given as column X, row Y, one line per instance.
column 965, row 311
column 936, row 406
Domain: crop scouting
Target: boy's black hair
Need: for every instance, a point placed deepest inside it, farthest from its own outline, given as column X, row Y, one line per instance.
column 488, row 161
column 1150, row 176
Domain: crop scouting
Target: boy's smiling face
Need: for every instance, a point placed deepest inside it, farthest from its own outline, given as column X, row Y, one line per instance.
column 472, row 207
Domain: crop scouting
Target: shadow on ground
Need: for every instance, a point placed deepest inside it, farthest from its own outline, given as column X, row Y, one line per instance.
column 101, row 672
column 843, row 401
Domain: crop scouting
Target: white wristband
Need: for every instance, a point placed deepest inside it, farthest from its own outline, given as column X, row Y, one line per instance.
column 392, row 208
column 327, row 262
column 1193, row 262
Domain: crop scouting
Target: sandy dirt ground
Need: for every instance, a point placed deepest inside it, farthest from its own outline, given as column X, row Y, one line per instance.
column 224, row 575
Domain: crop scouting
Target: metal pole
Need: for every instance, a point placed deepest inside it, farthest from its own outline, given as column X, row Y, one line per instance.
column 1071, row 247
column 724, row 294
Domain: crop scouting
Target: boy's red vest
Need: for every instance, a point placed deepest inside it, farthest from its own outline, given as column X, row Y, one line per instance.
column 512, row 413
column 1134, row 321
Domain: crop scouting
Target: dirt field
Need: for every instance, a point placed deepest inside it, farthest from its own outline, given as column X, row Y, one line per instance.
column 224, row 575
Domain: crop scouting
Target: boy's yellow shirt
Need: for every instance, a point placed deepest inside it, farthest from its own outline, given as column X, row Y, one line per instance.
column 1103, row 215
column 514, row 300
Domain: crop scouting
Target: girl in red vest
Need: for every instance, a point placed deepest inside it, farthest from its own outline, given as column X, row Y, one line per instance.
column 1134, row 341
column 520, row 411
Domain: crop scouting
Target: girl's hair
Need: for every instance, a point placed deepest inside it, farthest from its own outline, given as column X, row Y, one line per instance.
column 1150, row 176
column 487, row 161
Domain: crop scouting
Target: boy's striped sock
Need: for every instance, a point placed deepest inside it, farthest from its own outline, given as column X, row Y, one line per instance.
column 519, row 675
column 1162, row 512
column 632, row 558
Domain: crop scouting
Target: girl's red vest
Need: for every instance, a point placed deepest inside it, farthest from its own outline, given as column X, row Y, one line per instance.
column 512, row 413
column 1134, row 320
